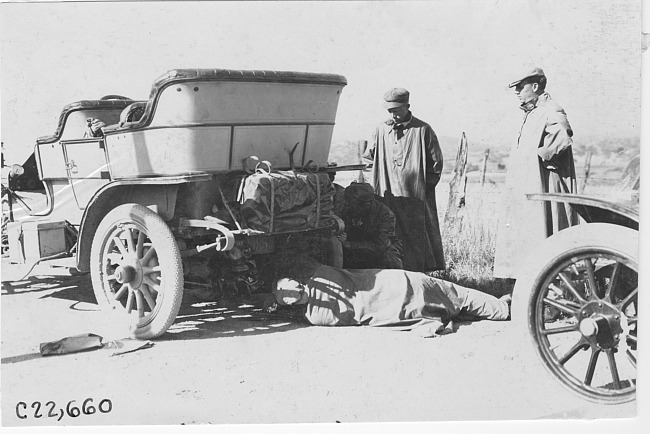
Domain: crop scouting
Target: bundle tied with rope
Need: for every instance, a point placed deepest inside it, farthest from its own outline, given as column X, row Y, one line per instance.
column 286, row 201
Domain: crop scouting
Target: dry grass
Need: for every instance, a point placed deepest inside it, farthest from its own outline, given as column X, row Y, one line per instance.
column 469, row 243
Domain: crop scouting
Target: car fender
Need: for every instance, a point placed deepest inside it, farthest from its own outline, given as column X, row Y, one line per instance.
column 159, row 194
column 597, row 210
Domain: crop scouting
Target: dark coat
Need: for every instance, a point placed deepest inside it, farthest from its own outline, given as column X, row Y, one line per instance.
column 407, row 163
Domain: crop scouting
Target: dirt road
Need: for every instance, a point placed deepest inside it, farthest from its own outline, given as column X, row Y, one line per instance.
column 232, row 364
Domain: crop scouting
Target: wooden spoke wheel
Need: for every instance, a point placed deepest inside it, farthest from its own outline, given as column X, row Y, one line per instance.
column 578, row 301
column 136, row 270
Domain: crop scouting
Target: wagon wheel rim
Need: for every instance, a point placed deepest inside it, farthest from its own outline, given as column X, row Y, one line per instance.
column 131, row 274
column 593, row 349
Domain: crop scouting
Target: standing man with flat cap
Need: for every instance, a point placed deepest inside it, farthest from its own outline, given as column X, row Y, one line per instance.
column 541, row 161
column 407, row 164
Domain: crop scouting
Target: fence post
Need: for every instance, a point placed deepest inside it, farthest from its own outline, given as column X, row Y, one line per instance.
column 485, row 160
column 586, row 172
column 458, row 185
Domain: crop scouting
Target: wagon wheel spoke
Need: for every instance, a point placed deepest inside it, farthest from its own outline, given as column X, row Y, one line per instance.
column 153, row 285
column 120, row 292
column 558, row 330
column 147, row 256
column 613, row 281
column 567, row 281
column 561, row 305
column 129, row 240
column 613, row 369
column 148, row 270
column 591, row 276
column 631, row 358
column 591, row 368
column 118, row 243
column 139, row 301
column 631, row 297
column 147, row 296
column 139, row 245
column 129, row 301
column 580, row 345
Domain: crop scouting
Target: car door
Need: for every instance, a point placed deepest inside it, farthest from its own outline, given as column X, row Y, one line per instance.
column 86, row 166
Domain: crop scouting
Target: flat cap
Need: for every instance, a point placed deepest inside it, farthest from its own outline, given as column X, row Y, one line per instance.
column 530, row 73
column 396, row 97
column 361, row 191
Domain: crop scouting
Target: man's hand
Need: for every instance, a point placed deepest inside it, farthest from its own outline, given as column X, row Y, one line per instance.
column 343, row 238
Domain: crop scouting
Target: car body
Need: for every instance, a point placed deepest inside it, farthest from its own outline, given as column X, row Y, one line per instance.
column 158, row 186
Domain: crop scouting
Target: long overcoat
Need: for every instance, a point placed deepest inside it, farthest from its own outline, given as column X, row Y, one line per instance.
column 541, row 161
column 407, row 163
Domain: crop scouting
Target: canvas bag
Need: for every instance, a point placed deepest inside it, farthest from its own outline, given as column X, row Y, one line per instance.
column 286, row 201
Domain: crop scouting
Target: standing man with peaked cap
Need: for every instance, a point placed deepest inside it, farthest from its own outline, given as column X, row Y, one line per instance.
column 407, row 164
column 541, row 161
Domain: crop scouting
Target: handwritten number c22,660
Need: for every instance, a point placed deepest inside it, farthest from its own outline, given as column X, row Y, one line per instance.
column 71, row 409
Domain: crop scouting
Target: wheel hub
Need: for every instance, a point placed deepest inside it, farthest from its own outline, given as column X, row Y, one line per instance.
column 600, row 324
column 125, row 273
column 130, row 273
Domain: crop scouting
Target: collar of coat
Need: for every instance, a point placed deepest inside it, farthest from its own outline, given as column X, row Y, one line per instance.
column 400, row 125
column 530, row 106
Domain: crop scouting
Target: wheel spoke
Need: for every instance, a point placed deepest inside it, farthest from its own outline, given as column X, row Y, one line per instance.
column 129, row 302
column 623, row 304
column 139, row 245
column 139, row 302
column 613, row 369
column 118, row 243
column 558, row 330
column 631, row 338
column 147, row 256
column 567, row 281
column 120, row 292
column 149, row 270
column 111, row 277
column 573, row 351
column 613, row 280
column 129, row 240
column 154, row 285
column 147, row 296
column 593, row 289
column 631, row 358
column 591, row 368
column 562, row 306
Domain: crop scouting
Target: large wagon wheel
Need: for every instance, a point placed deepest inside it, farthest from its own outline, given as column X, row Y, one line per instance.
column 136, row 269
column 578, row 301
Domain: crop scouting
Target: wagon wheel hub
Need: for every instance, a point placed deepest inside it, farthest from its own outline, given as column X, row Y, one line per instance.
column 600, row 325
column 125, row 274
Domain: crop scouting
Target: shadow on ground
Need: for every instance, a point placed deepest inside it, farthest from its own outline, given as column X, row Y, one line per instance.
column 199, row 317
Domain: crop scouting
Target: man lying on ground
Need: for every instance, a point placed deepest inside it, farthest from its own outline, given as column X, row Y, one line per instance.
column 400, row 298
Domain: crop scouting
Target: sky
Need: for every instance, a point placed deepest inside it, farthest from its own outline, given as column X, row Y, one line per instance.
column 455, row 57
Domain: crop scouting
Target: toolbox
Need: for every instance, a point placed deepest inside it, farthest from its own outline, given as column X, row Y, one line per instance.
column 30, row 241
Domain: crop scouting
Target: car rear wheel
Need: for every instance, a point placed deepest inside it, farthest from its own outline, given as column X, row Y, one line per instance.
column 136, row 270
column 577, row 300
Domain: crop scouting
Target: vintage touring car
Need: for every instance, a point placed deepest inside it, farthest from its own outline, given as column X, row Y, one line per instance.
column 208, row 179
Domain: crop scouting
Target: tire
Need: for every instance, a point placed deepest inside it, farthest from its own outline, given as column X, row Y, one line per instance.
column 562, row 324
column 142, row 279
